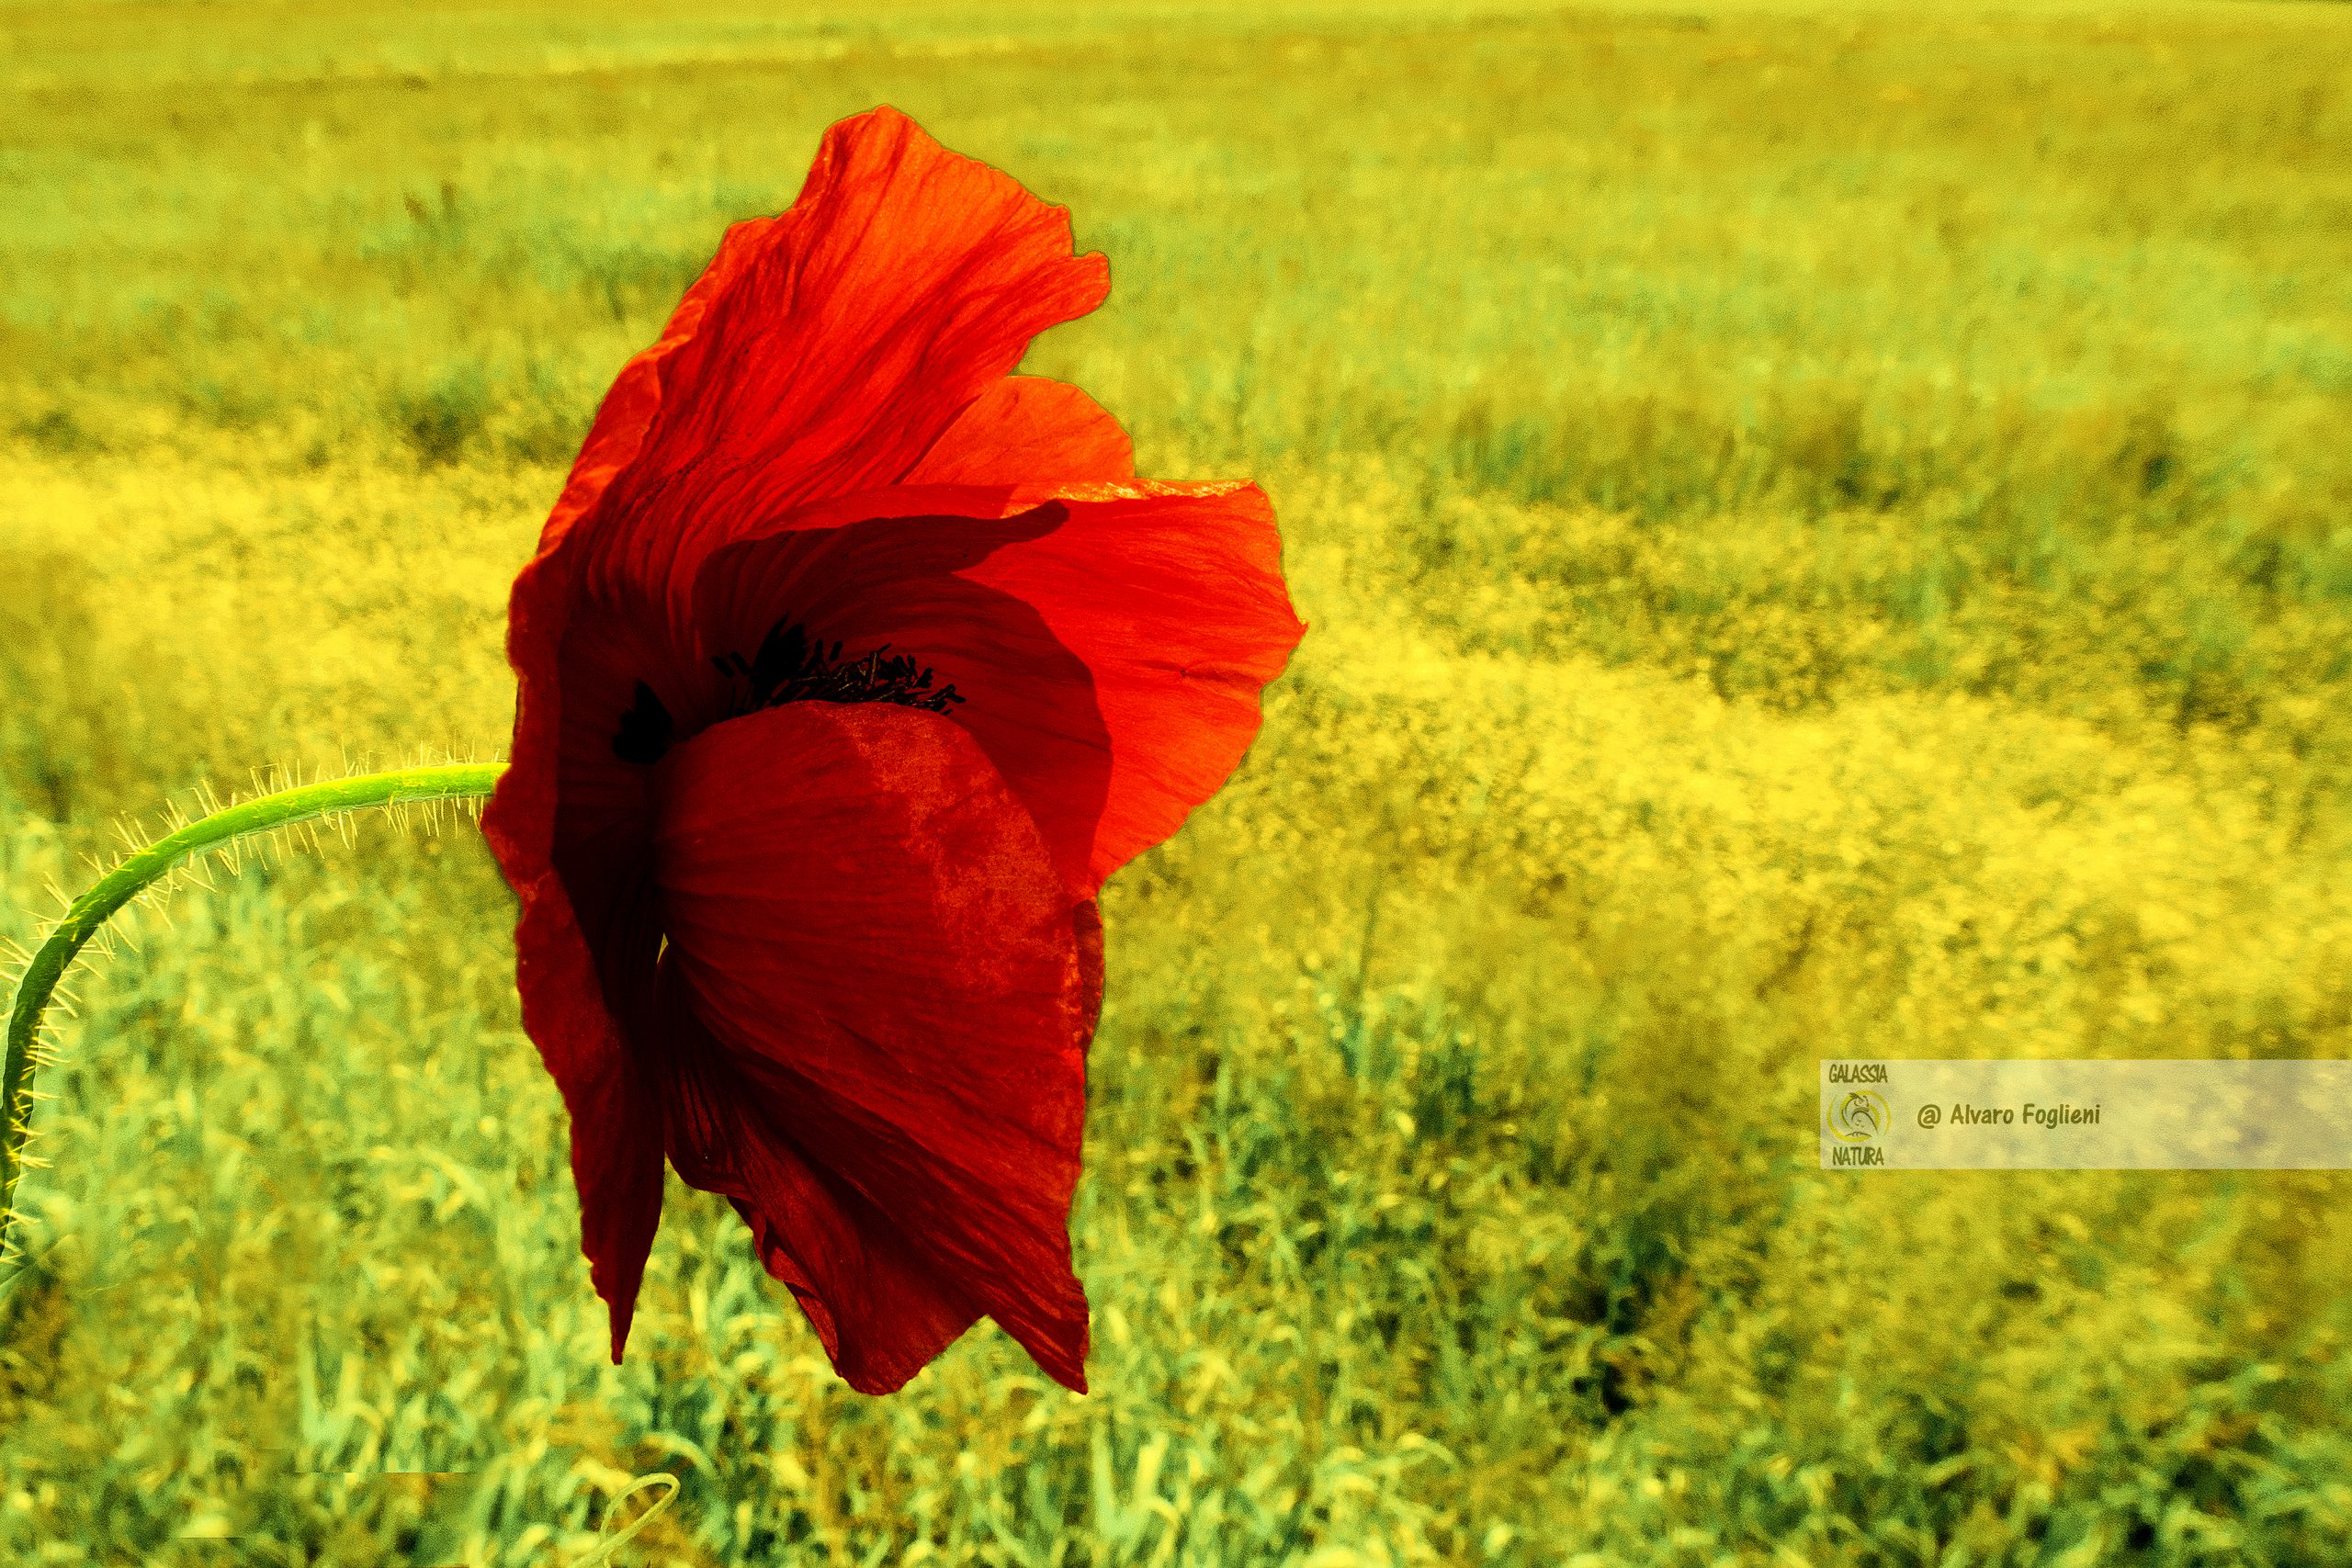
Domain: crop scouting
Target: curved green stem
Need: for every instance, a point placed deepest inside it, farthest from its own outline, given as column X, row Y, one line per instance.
column 453, row 782
column 604, row 1549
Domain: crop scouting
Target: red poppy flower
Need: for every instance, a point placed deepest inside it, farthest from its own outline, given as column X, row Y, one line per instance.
column 850, row 665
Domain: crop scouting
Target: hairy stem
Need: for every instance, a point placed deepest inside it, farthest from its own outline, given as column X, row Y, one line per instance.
column 453, row 782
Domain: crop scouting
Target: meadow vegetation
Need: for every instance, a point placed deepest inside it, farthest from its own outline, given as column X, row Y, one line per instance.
column 1824, row 532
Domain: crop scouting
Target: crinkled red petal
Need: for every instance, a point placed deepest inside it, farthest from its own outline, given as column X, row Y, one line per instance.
column 880, row 1309
column 894, row 996
column 848, row 338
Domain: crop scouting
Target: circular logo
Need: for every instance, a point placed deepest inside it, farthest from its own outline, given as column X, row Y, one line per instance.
column 1859, row 1117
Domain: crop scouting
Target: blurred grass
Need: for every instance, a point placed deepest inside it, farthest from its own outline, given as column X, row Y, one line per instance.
column 1826, row 532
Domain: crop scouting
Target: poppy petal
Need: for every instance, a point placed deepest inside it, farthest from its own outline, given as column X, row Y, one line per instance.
column 1109, row 641
column 615, row 1118
column 1028, row 429
column 617, row 1167
column 569, row 988
column 843, row 1258
column 865, row 921
column 1172, row 597
column 846, row 337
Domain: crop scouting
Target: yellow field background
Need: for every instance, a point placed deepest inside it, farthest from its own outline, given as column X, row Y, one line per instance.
column 1824, row 533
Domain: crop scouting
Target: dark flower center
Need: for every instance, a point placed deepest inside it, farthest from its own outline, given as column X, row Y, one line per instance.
column 789, row 668
column 645, row 729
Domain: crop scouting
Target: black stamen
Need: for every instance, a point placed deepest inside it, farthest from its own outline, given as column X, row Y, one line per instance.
column 645, row 729
column 789, row 668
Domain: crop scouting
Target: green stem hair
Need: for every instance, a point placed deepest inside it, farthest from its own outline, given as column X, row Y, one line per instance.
column 455, row 781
